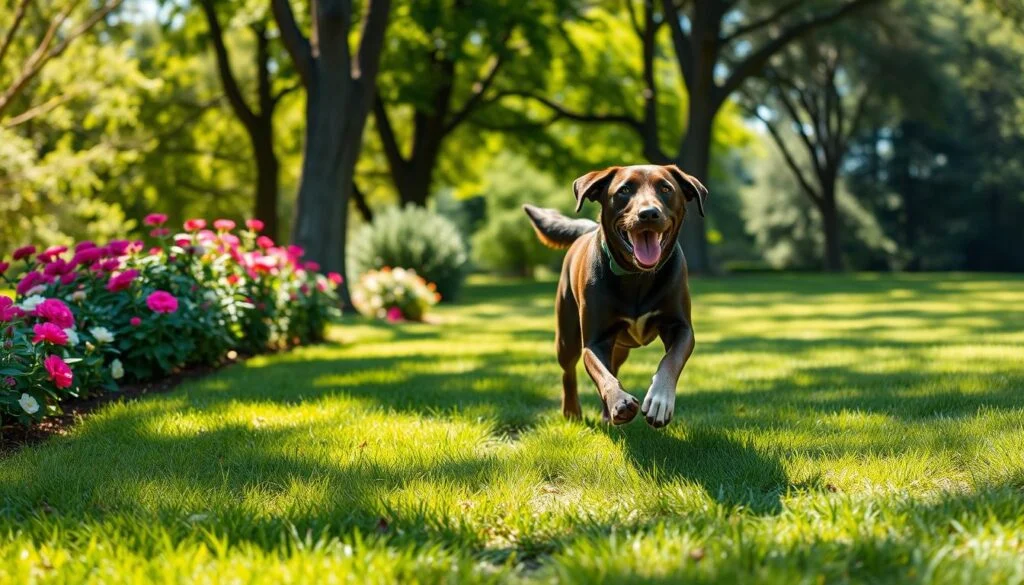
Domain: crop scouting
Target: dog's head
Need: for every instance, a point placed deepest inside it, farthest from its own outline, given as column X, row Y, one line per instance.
column 642, row 208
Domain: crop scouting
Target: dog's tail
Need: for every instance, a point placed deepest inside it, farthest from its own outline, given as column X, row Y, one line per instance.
column 554, row 229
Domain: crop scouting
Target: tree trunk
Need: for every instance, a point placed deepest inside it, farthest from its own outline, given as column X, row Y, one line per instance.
column 695, row 159
column 833, row 256
column 267, row 171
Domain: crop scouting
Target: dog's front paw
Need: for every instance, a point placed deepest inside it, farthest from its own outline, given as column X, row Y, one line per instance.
column 624, row 408
column 659, row 403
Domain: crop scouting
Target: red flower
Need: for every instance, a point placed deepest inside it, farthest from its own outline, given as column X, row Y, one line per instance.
column 194, row 225
column 312, row 266
column 162, row 302
column 122, row 281
column 135, row 321
column 155, row 219
column 254, row 224
column 264, row 242
column 56, row 312
column 224, row 225
column 233, row 279
column 335, row 278
column 4, row 266
column 24, row 252
column 49, row 333
column 60, row 373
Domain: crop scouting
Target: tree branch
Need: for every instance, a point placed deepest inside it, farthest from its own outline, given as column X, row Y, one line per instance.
column 19, row 15
column 294, row 42
column 480, row 87
column 798, row 173
column 562, row 112
column 360, row 200
column 633, row 19
column 681, row 41
column 231, row 90
column 36, row 111
column 367, row 60
column 387, row 136
column 757, row 60
column 287, row 90
column 769, row 20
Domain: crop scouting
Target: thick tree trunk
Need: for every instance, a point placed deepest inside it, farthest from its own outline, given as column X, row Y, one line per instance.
column 267, row 171
column 695, row 159
column 833, row 256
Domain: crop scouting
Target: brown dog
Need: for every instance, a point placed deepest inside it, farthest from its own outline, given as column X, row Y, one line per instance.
column 623, row 283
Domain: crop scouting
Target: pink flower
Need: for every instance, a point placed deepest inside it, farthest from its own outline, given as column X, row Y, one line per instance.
column 24, row 252
column 60, row 373
column 335, row 278
column 135, row 321
column 296, row 251
column 87, row 256
column 50, row 253
column 224, row 225
column 122, row 281
column 119, row 247
column 7, row 309
column 57, row 267
column 254, row 224
column 155, row 219
column 50, row 333
column 264, row 242
column 162, row 302
column 4, row 266
column 194, row 225
column 56, row 312
column 110, row 265
column 28, row 281
column 312, row 266
column 394, row 314
column 182, row 241
column 159, row 232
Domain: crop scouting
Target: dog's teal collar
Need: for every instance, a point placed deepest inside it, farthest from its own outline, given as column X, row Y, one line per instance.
column 618, row 270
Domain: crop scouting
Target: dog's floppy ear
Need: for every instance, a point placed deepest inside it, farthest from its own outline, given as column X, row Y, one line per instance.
column 590, row 185
column 692, row 188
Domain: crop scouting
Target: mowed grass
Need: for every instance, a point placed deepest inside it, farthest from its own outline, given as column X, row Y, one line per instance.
column 827, row 430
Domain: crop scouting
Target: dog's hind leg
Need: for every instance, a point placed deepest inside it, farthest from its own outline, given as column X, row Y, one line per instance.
column 569, row 346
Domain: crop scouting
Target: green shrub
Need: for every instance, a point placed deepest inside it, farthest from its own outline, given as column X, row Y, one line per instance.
column 414, row 238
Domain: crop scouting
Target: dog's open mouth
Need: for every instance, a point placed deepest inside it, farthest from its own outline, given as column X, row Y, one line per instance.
column 645, row 245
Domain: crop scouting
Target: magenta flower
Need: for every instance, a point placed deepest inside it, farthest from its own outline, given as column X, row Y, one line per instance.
column 264, row 242
column 60, row 373
column 49, row 333
column 194, row 225
column 56, row 312
column 68, row 278
column 84, row 245
column 7, row 309
column 135, row 321
column 335, row 278
column 87, row 256
column 122, row 281
column 312, row 266
column 159, row 232
column 224, row 225
column 50, row 253
column 24, row 252
column 394, row 314
column 57, row 267
column 110, row 265
column 162, row 302
column 119, row 247
column 28, row 281
column 296, row 251
column 155, row 219
column 4, row 266
column 254, row 224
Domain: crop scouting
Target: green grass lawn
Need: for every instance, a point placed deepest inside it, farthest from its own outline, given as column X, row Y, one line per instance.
column 827, row 430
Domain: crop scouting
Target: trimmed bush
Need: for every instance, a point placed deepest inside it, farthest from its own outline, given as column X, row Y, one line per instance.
column 86, row 319
column 414, row 238
column 394, row 294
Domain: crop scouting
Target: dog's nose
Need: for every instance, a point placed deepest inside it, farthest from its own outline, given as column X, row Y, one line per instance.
column 649, row 214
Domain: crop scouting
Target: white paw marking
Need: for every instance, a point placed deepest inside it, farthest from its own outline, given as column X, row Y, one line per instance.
column 660, row 401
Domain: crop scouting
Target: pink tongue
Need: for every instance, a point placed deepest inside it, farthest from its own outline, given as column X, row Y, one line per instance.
column 646, row 248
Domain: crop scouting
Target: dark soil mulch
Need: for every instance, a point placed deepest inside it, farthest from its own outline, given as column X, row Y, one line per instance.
column 15, row 437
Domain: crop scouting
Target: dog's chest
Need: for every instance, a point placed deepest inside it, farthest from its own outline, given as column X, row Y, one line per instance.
column 639, row 331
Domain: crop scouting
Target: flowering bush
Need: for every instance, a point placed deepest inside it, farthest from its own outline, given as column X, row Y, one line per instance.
column 86, row 318
column 395, row 295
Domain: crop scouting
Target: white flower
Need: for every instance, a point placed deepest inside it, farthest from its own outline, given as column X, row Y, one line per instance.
column 399, row 273
column 376, row 302
column 30, row 304
column 73, row 338
column 36, row 290
column 102, row 335
column 117, row 369
column 78, row 296
column 29, row 404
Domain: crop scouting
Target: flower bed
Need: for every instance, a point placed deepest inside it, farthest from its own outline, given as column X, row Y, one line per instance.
column 396, row 295
column 85, row 319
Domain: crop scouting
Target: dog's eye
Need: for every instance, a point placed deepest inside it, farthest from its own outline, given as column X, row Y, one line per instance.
column 666, row 188
column 625, row 190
